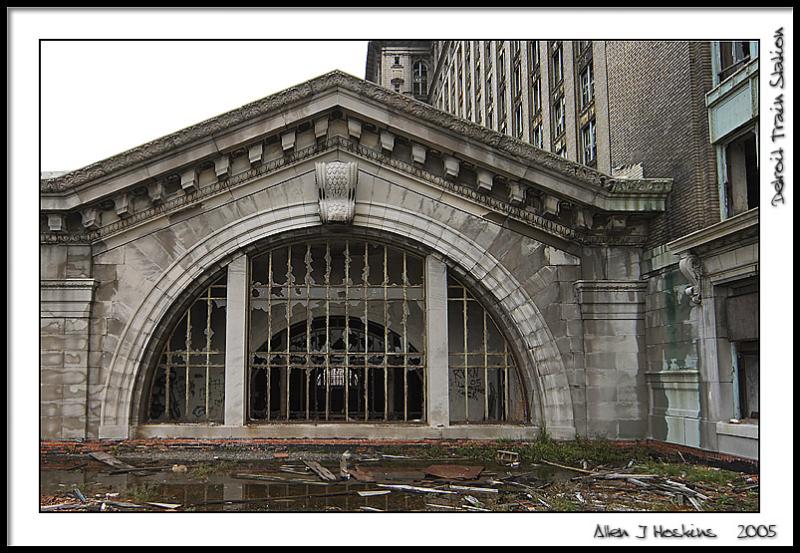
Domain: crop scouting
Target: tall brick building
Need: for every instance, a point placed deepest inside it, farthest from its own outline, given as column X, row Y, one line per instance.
column 680, row 109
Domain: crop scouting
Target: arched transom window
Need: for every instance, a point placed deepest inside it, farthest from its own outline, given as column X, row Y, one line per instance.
column 335, row 330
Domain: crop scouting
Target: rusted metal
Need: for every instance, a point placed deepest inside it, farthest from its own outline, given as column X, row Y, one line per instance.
column 483, row 363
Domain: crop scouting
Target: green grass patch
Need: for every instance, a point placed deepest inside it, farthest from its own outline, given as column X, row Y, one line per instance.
column 204, row 470
column 147, row 491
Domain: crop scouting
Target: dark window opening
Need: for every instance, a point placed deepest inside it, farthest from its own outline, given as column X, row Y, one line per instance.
column 483, row 382
column 337, row 333
column 741, row 188
column 189, row 380
column 733, row 55
column 747, row 379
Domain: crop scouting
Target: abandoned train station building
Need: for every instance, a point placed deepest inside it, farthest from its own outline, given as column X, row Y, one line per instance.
column 484, row 239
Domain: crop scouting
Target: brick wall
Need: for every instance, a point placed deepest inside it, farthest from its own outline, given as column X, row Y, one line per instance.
column 658, row 118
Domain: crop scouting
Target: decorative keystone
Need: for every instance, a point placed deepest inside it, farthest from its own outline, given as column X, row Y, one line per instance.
column 255, row 153
column 387, row 140
column 189, row 180
column 451, row 167
column 222, row 167
column 485, row 180
column 288, row 140
column 692, row 268
column 336, row 183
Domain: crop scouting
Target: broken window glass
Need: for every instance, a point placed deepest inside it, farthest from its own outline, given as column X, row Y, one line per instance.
column 483, row 381
column 189, row 381
column 355, row 348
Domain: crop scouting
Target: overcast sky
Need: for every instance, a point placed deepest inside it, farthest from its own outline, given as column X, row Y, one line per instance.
column 122, row 94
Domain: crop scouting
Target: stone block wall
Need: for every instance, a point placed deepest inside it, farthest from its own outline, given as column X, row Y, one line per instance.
column 673, row 352
column 66, row 295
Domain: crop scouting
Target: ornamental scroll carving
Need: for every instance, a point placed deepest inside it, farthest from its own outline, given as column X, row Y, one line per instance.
column 336, row 183
column 692, row 269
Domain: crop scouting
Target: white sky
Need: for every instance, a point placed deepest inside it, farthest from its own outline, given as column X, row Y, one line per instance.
column 122, row 94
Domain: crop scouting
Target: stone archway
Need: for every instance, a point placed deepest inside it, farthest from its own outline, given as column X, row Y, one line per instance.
column 533, row 339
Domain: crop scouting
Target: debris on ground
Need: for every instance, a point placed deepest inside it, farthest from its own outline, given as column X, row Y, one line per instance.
column 508, row 458
column 323, row 473
column 454, row 478
column 454, row 472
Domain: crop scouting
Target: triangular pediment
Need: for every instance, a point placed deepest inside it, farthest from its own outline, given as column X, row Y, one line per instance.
column 337, row 111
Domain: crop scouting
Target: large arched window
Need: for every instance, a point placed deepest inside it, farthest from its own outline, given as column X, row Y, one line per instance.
column 337, row 333
column 335, row 330
column 189, row 381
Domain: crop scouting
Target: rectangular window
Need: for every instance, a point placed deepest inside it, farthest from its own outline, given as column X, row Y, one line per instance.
column 518, row 121
column 558, row 64
column 559, row 116
column 533, row 55
column 501, row 108
column 536, row 95
column 537, row 136
column 733, row 55
column 589, row 143
column 516, row 80
column 337, row 333
column 741, row 166
column 501, row 65
column 586, row 83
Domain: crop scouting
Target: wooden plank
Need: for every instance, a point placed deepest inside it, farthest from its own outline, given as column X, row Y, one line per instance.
column 322, row 472
column 110, row 460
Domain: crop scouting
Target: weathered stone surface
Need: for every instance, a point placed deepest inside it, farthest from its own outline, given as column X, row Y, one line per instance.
column 581, row 350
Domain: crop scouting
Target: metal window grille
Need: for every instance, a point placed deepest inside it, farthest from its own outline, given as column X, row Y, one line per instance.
column 337, row 333
column 189, row 381
column 483, row 381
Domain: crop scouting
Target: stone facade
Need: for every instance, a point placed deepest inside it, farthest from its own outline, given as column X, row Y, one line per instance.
column 554, row 251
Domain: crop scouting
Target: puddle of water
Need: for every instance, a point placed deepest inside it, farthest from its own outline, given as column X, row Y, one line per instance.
column 220, row 491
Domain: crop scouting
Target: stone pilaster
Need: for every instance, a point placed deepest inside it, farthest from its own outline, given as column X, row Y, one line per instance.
column 438, row 395
column 236, row 343
column 65, row 312
column 613, row 325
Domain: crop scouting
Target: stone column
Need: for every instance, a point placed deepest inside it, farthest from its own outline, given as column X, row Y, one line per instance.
column 438, row 399
column 236, row 343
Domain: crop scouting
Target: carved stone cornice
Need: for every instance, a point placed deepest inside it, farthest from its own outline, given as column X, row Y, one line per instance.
column 275, row 103
column 717, row 232
column 520, row 213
